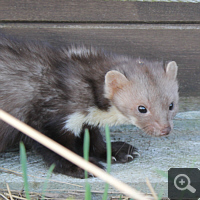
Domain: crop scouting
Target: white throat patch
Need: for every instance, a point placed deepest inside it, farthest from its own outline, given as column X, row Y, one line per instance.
column 95, row 117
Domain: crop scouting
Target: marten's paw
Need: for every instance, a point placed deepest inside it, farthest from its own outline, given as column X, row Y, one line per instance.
column 123, row 152
column 70, row 169
column 95, row 161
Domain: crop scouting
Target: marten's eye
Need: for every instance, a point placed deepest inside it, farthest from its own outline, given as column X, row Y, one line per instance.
column 142, row 109
column 171, row 106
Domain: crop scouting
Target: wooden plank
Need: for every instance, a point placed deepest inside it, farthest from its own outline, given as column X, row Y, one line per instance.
column 176, row 42
column 98, row 11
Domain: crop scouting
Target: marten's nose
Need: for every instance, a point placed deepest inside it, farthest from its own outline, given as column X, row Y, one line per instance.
column 166, row 130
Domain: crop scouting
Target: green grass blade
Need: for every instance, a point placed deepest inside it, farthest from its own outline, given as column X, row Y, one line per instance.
column 86, row 148
column 88, row 192
column 109, row 149
column 47, row 179
column 23, row 161
column 109, row 154
column 162, row 173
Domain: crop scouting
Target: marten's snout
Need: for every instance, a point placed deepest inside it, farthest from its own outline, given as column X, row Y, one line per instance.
column 166, row 130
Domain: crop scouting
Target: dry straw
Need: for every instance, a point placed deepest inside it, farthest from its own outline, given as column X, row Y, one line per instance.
column 71, row 156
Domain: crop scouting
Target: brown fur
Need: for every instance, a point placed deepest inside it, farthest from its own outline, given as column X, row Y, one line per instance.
column 62, row 91
column 148, row 85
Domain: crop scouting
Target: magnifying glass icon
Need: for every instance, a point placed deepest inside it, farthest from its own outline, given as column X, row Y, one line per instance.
column 182, row 182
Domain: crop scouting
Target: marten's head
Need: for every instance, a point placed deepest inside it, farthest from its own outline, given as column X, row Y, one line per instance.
column 146, row 94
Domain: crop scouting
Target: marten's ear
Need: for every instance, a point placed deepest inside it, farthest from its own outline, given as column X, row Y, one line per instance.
column 171, row 70
column 114, row 81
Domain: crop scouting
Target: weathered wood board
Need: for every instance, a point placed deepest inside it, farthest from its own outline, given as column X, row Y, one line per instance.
column 98, row 11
